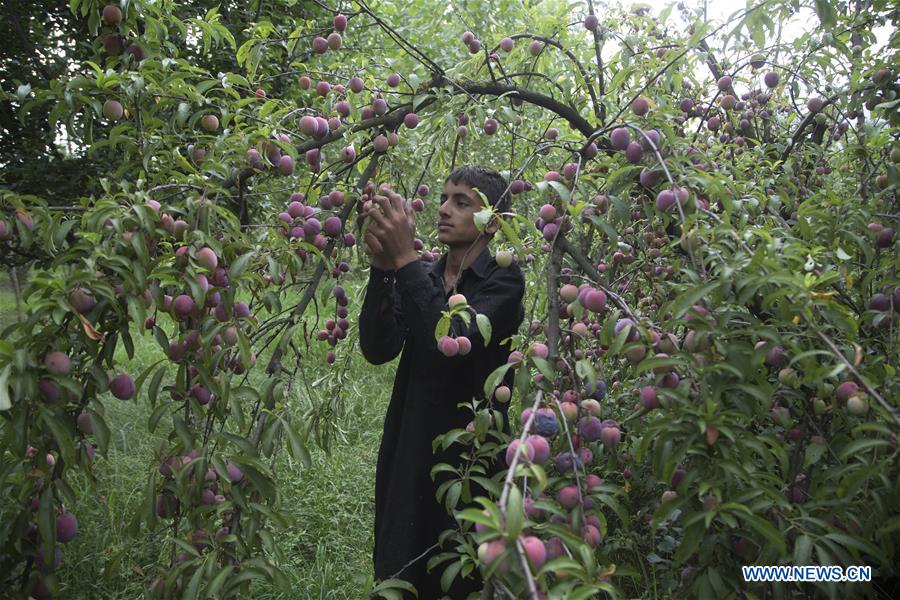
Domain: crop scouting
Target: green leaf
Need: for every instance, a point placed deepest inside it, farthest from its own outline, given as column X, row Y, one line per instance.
column 561, row 190
column 544, row 367
column 484, row 327
column 813, row 453
column 442, row 328
column 237, row 267
column 61, row 435
column 450, row 574
column 765, row 529
column 648, row 364
column 482, row 218
column 827, row 13
column 855, row 543
column 515, row 514
column 296, row 447
column 101, row 431
column 616, row 507
column 157, row 414
column 856, row 447
column 693, row 535
column 682, row 303
column 193, row 587
column 218, row 581
column 802, row 550
column 494, row 379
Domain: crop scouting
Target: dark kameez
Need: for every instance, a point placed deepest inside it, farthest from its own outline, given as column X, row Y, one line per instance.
column 401, row 311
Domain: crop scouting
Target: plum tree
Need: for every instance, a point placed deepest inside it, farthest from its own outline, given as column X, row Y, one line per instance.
column 682, row 310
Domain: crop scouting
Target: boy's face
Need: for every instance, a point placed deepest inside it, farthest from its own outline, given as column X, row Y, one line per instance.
column 456, row 221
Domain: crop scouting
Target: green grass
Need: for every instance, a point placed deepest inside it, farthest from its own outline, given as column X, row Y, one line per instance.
column 330, row 506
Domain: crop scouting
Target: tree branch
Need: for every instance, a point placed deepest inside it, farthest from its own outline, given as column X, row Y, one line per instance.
column 594, row 274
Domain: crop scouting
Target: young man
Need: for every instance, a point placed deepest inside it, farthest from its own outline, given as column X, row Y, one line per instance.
column 403, row 304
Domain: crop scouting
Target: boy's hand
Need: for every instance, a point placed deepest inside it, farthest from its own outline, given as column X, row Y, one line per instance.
column 371, row 246
column 392, row 229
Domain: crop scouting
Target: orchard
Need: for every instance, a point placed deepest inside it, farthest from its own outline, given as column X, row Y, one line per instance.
column 704, row 209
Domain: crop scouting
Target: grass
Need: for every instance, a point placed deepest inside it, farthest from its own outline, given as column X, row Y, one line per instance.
column 330, row 505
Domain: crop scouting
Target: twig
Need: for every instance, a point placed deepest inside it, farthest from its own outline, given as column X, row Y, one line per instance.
column 892, row 412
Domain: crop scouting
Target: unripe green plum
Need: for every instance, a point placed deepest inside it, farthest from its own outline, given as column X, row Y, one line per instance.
column 819, row 407
column 504, row 258
column 502, row 394
column 591, row 406
column 858, row 405
column 789, row 377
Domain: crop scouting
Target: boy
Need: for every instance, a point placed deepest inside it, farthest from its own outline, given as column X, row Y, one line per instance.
column 403, row 304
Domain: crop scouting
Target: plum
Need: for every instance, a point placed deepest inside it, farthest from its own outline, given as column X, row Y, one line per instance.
column 66, row 527
column 122, row 386
column 568, row 497
column 209, row 122
column 620, row 138
column 58, row 363
column 536, row 551
column 112, row 15
column 319, row 45
column 640, row 106
column 112, row 110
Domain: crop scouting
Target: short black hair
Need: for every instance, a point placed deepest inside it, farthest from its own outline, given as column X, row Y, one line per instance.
column 488, row 181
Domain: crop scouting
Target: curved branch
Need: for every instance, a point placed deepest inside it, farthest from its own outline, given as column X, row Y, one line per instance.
column 498, row 89
column 594, row 274
column 587, row 82
column 798, row 135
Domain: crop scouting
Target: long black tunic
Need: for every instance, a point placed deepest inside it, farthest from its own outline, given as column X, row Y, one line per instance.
column 401, row 310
